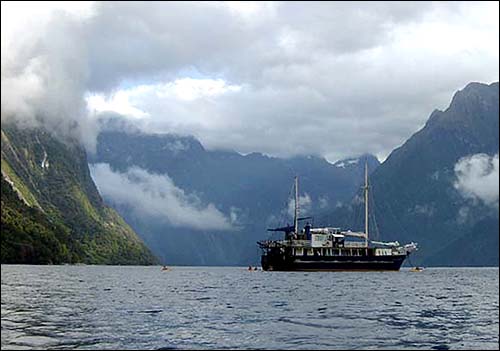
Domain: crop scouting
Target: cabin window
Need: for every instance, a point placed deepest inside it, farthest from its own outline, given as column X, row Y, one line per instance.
column 299, row 252
column 310, row 252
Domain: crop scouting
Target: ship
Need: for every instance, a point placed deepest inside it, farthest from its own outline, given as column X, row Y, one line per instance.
column 330, row 248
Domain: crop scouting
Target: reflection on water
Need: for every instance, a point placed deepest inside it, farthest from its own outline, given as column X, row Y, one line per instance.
column 102, row 307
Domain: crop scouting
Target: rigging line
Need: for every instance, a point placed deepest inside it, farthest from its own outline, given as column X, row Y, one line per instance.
column 409, row 261
column 373, row 206
column 375, row 225
column 257, row 256
column 356, row 219
column 283, row 213
column 388, row 208
column 287, row 202
column 398, row 222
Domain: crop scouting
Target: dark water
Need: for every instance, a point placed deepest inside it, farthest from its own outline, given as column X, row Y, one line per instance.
column 98, row 307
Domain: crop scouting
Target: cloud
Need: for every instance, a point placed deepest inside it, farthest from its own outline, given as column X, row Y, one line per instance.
column 424, row 210
column 332, row 79
column 157, row 196
column 478, row 177
column 305, row 204
column 463, row 215
column 323, row 202
column 44, row 74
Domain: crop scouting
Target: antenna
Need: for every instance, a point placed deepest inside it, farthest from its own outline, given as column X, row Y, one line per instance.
column 366, row 203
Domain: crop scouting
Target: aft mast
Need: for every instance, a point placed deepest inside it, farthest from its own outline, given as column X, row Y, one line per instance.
column 366, row 203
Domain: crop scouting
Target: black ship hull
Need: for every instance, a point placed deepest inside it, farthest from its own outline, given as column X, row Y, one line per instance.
column 333, row 263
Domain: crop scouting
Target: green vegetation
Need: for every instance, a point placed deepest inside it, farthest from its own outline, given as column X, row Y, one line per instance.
column 64, row 219
column 25, row 193
column 28, row 236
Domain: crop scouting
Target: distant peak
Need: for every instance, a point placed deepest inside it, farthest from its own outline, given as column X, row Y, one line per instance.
column 475, row 88
column 473, row 96
column 358, row 161
column 475, row 85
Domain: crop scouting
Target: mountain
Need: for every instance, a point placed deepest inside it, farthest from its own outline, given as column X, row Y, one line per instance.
column 51, row 210
column 250, row 190
column 414, row 192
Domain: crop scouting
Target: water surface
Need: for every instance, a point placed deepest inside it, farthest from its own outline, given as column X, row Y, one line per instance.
column 109, row 307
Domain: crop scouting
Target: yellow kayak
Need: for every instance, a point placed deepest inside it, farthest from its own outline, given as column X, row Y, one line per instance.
column 416, row 269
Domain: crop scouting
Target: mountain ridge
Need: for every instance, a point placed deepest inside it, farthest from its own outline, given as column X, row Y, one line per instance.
column 254, row 186
column 414, row 191
column 52, row 212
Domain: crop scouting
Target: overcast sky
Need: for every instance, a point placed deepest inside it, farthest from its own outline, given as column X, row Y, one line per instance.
column 331, row 79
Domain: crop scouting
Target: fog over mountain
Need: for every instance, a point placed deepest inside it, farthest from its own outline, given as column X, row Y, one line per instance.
column 477, row 178
column 156, row 196
column 200, row 207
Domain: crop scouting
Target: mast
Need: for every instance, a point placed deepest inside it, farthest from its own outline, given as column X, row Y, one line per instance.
column 366, row 203
column 296, row 218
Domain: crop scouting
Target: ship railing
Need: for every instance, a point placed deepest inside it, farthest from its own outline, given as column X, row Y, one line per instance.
column 294, row 243
column 283, row 243
column 352, row 244
column 272, row 243
column 307, row 244
column 300, row 243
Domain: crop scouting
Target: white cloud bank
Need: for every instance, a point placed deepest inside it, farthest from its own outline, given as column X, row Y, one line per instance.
column 157, row 196
column 478, row 177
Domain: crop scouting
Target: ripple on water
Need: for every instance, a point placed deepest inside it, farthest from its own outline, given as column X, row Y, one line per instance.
column 226, row 308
